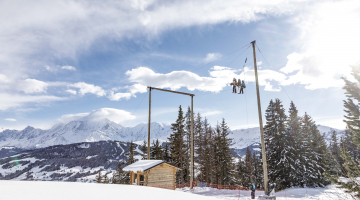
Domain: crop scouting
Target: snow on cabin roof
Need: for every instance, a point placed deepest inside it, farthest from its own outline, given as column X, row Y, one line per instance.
column 143, row 165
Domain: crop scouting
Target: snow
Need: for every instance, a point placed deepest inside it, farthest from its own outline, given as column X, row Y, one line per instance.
column 44, row 190
column 142, row 165
column 329, row 192
column 39, row 190
column 89, row 157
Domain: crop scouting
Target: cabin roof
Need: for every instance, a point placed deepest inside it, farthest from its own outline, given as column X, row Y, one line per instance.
column 144, row 165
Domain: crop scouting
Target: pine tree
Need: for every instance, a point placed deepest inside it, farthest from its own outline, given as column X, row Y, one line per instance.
column 335, row 153
column 131, row 154
column 226, row 168
column 292, row 146
column 187, row 141
column 351, row 169
column 249, row 169
column 178, row 147
column 156, row 153
column 120, row 176
column 258, row 171
column 315, row 151
column 106, row 179
column 198, row 143
column 98, row 177
column 348, row 145
column 275, row 139
column 143, row 149
column 241, row 172
column 166, row 154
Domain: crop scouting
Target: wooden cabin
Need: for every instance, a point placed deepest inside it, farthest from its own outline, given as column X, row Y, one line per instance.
column 155, row 173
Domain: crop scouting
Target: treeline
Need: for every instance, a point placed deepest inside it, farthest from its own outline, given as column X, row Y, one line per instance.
column 296, row 152
column 297, row 155
column 214, row 161
column 346, row 153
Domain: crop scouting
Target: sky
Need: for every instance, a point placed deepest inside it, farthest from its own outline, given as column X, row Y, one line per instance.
column 66, row 60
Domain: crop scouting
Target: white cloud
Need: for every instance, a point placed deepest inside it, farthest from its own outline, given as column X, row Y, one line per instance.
column 219, row 78
column 331, row 43
column 259, row 63
column 112, row 114
column 211, row 57
column 210, row 113
column 55, row 30
column 85, row 88
column 4, row 79
column 71, row 91
column 8, row 101
column 10, row 119
column 30, row 86
column 118, row 96
column 68, row 68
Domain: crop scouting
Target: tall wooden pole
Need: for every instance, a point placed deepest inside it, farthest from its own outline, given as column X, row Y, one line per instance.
column 260, row 122
column 192, row 145
column 148, row 147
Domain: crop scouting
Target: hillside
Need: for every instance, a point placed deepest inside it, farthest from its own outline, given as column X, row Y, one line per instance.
column 72, row 162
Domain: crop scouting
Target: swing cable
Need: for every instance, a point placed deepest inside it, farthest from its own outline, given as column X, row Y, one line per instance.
column 247, row 114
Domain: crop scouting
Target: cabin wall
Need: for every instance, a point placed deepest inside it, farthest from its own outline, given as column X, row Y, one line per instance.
column 161, row 176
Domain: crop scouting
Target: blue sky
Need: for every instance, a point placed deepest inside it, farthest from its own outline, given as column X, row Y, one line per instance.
column 63, row 60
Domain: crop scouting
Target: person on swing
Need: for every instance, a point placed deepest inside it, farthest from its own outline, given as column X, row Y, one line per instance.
column 238, row 84
column 242, row 87
column 234, row 85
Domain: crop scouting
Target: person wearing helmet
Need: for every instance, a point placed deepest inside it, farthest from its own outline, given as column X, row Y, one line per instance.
column 234, row 85
column 242, row 87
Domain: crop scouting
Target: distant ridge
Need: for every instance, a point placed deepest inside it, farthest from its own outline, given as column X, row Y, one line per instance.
column 103, row 130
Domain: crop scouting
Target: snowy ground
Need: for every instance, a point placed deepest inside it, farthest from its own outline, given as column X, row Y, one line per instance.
column 329, row 192
column 39, row 190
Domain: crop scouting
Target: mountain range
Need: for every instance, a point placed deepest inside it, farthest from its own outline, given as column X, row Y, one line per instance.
column 102, row 130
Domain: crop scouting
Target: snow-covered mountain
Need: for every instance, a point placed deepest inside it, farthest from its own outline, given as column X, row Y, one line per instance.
column 246, row 137
column 81, row 131
column 101, row 130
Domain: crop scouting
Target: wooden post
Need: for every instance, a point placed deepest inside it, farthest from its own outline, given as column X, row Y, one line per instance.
column 260, row 122
column 192, row 145
column 148, row 147
column 138, row 178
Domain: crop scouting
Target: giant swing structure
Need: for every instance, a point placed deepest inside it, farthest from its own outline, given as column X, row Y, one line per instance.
column 192, row 126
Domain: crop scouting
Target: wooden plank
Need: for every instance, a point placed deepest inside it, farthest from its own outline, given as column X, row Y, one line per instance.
column 138, row 178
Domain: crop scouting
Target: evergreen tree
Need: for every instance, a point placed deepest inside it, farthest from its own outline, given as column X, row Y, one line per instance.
column 249, row 169
column 258, row 171
column 106, row 179
column 335, row 153
column 351, row 169
column 98, row 177
column 348, row 145
column 178, row 147
column 131, row 154
column 143, row 149
column 241, row 172
column 187, row 141
column 315, row 151
column 225, row 159
column 291, row 158
column 275, row 139
column 156, row 153
column 198, row 143
column 166, row 154
column 120, row 176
